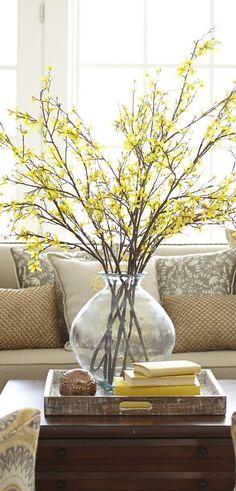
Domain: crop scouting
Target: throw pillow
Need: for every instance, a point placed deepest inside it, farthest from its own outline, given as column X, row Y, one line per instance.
column 231, row 236
column 79, row 281
column 27, row 279
column 28, row 318
column 197, row 273
column 18, row 446
column 202, row 322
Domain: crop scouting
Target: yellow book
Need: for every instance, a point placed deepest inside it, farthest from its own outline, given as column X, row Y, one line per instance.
column 164, row 368
column 121, row 388
column 135, row 380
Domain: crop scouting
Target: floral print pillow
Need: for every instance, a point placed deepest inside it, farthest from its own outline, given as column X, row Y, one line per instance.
column 197, row 273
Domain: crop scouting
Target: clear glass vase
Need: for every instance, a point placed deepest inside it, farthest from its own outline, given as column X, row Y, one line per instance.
column 121, row 324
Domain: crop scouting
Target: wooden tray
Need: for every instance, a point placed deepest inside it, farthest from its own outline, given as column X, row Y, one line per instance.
column 212, row 400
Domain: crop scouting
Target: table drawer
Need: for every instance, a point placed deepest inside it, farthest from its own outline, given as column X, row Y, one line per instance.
column 138, row 481
column 175, row 455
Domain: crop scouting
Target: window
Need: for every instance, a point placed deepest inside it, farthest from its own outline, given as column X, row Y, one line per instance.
column 8, row 70
column 98, row 47
column 117, row 41
column 33, row 34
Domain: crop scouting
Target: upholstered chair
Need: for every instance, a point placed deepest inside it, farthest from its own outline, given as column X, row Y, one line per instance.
column 233, row 433
column 18, row 445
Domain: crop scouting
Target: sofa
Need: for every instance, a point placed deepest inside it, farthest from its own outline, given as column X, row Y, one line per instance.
column 34, row 363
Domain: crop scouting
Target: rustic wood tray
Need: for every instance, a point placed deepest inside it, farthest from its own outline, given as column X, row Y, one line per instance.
column 212, row 401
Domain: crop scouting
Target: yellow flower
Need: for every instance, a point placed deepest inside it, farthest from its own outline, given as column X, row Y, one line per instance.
column 34, row 266
column 126, row 206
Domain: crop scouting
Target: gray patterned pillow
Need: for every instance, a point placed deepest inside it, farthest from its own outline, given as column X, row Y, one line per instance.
column 27, row 279
column 197, row 273
column 18, row 447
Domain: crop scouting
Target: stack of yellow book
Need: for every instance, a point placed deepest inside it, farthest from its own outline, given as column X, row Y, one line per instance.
column 160, row 378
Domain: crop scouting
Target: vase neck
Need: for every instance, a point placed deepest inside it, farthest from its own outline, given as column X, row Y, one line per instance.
column 125, row 279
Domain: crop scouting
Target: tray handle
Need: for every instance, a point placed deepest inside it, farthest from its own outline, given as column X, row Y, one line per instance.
column 135, row 405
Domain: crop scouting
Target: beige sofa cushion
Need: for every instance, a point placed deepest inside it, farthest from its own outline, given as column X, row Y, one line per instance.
column 8, row 274
column 31, row 364
column 202, row 322
column 28, row 318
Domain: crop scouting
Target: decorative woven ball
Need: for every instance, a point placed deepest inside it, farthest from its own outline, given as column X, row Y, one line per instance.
column 77, row 382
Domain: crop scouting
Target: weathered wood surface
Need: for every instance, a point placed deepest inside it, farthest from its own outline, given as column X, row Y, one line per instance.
column 211, row 401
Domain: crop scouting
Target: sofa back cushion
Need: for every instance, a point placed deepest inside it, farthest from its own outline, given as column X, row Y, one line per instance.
column 8, row 277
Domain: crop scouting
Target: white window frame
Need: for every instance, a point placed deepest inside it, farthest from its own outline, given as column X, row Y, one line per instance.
column 42, row 40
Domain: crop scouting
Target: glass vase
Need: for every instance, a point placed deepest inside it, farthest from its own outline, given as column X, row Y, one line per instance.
column 121, row 324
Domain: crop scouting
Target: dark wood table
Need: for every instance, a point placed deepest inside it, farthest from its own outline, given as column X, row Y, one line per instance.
column 129, row 453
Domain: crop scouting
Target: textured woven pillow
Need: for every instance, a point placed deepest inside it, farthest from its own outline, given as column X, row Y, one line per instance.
column 18, row 446
column 28, row 279
column 202, row 322
column 197, row 273
column 79, row 281
column 28, row 318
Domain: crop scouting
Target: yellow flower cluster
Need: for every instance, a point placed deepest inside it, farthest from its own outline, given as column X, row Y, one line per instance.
column 120, row 211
